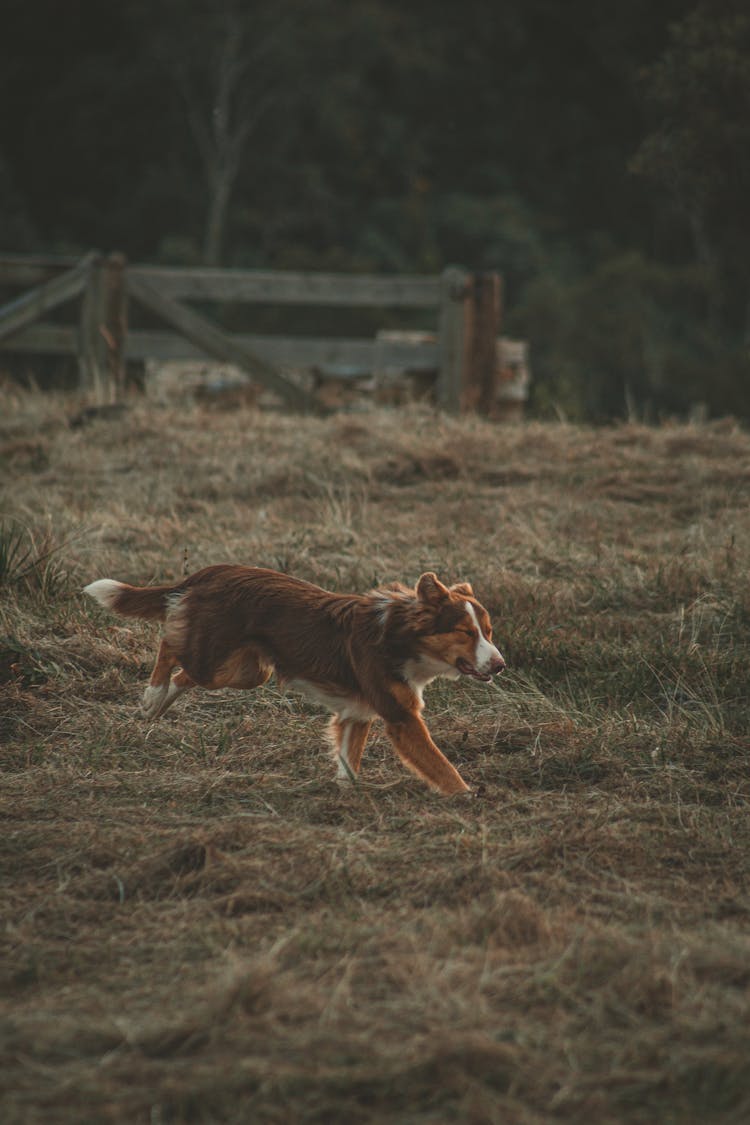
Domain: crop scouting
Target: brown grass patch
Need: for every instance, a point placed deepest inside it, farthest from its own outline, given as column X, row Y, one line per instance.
column 200, row 925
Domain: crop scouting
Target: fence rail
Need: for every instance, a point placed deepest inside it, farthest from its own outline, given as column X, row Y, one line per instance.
column 463, row 355
column 282, row 287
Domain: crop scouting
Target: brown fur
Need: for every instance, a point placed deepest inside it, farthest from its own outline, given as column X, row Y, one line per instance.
column 362, row 656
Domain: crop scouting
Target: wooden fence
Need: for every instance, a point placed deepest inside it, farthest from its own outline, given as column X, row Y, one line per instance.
column 102, row 287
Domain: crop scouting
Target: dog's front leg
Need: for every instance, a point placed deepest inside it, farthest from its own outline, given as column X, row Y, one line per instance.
column 415, row 748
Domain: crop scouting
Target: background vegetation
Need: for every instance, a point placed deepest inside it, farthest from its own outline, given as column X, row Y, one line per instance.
column 199, row 925
column 595, row 154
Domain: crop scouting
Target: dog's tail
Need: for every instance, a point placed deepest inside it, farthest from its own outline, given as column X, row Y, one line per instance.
column 148, row 602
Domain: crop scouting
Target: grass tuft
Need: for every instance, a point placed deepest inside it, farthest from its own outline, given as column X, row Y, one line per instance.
column 30, row 561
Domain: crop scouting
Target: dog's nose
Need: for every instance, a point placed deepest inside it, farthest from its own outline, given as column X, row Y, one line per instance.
column 498, row 665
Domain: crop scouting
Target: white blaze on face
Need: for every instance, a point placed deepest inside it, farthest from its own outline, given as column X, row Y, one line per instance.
column 485, row 652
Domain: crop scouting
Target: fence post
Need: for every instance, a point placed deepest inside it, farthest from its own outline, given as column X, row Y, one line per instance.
column 91, row 346
column 454, row 309
column 484, row 323
column 114, row 326
column 103, row 328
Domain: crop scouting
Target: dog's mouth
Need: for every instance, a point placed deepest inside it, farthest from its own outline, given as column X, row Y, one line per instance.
column 467, row 669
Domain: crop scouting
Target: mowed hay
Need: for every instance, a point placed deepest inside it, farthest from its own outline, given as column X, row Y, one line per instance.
column 200, row 925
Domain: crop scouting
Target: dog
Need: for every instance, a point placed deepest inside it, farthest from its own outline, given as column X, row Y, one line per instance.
column 360, row 656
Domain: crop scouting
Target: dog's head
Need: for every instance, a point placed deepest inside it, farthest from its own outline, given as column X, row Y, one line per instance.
column 459, row 631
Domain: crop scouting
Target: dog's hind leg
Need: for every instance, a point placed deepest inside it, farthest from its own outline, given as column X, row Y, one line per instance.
column 245, row 668
column 179, row 683
column 158, row 684
column 348, row 737
column 163, row 688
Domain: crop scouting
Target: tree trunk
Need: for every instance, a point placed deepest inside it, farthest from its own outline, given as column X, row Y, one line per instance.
column 220, row 191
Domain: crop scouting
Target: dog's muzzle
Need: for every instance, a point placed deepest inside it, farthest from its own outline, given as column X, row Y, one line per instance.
column 496, row 665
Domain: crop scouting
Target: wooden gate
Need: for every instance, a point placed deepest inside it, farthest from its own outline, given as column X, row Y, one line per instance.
column 462, row 354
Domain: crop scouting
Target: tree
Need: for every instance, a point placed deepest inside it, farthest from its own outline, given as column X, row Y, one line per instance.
column 225, row 65
column 700, row 149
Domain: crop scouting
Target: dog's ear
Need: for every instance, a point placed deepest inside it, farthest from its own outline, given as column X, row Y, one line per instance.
column 464, row 589
column 430, row 589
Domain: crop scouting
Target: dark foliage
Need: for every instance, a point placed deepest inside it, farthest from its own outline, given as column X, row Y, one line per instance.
column 593, row 155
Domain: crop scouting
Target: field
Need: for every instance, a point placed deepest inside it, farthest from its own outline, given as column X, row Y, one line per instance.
column 200, row 925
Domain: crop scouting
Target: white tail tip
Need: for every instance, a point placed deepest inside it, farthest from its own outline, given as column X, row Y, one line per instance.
column 104, row 590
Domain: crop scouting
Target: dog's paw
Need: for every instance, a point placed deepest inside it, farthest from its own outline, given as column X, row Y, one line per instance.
column 475, row 793
column 152, row 702
column 344, row 772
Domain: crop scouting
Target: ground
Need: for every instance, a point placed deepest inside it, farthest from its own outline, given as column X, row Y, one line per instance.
column 200, row 925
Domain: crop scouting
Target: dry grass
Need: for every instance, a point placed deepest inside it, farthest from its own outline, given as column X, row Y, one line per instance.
column 200, row 925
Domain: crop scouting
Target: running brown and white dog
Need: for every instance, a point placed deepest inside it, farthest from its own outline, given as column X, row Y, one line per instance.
column 359, row 656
